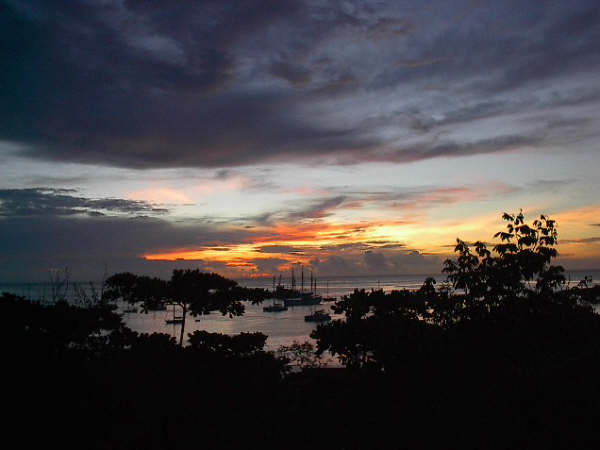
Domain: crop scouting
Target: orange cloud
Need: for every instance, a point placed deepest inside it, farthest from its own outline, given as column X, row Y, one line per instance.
column 279, row 246
column 287, row 242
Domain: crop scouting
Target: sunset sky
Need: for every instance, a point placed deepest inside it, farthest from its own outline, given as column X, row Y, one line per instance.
column 354, row 137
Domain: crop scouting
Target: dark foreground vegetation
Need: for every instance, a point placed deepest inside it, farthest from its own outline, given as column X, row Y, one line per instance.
column 504, row 355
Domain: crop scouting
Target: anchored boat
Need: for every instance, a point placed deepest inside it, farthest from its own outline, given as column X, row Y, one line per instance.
column 277, row 306
column 175, row 320
column 318, row 316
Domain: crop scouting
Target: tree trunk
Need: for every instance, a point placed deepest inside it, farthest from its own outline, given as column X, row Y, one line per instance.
column 182, row 325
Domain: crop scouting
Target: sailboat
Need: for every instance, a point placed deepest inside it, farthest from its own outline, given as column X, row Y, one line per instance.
column 294, row 297
column 277, row 306
column 327, row 298
column 175, row 320
column 318, row 315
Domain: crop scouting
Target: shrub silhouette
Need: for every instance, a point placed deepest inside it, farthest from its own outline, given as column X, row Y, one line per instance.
column 512, row 298
column 502, row 355
column 195, row 292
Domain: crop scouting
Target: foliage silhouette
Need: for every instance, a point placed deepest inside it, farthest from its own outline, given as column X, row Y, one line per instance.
column 512, row 296
column 502, row 355
column 195, row 292
column 301, row 355
column 241, row 345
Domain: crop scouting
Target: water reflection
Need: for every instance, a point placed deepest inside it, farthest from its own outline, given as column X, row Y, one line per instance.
column 283, row 328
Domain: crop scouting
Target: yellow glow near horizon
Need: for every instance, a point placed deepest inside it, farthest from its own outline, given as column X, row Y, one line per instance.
column 302, row 243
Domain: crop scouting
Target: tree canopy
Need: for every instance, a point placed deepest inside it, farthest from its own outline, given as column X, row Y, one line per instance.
column 194, row 291
column 510, row 297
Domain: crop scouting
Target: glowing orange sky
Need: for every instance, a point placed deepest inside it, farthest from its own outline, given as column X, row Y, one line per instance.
column 308, row 240
column 303, row 243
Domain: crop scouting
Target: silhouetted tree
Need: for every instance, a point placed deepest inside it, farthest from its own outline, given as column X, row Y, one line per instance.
column 501, row 355
column 521, row 258
column 302, row 355
column 237, row 346
column 54, row 327
column 195, row 292
column 510, row 297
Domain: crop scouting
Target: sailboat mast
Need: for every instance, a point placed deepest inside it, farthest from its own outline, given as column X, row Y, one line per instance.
column 302, row 267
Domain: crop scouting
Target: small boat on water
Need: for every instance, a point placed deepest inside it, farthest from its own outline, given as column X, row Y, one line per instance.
column 130, row 310
column 305, row 299
column 275, row 307
column 327, row 298
column 292, row 296
column 175, row 320
column 318, row 316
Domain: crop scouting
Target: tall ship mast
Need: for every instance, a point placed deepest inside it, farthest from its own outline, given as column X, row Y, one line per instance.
column 297, row 297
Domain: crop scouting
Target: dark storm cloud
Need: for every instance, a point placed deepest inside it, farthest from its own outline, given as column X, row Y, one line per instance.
column 295, row 75
column 317, row 209
column 455, row 149
column 219, row 84
column 378, row 263
column 64, row 202
column 310, row 209
column 549, row 185
column 31, row 245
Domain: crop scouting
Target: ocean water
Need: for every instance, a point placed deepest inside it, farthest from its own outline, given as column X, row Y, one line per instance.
column 283, row 328
column 338, row 286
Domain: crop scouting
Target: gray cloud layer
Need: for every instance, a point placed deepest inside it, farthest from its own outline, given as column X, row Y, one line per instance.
column 218, row 84
column 63, row 202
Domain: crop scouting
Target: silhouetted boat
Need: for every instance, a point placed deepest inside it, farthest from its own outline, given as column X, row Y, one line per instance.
column 327, row 298
column 303, row 300
column 294, row 297
column 282, row 293
column 275, row 307
column 318, row 316
column 130, row 310
column 297, row 297
column 175, row 320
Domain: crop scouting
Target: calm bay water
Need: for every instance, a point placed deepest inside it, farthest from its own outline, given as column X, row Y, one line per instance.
column 283, row 328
